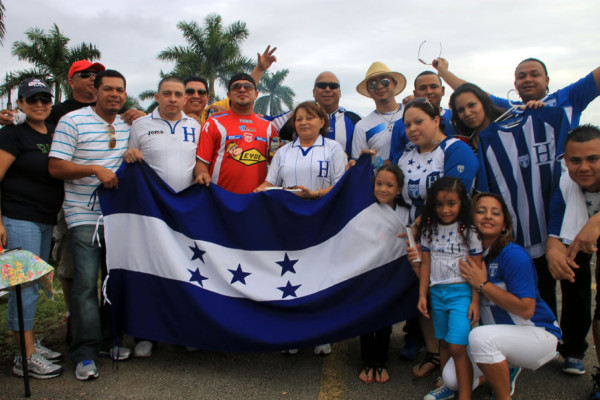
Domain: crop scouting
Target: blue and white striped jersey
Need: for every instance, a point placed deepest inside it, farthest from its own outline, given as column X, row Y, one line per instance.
column 518, row 160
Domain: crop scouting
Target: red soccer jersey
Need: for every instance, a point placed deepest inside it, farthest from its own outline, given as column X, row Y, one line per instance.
column 236, row 147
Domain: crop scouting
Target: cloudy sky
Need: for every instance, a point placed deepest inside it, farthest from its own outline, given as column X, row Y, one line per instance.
column 483, row 40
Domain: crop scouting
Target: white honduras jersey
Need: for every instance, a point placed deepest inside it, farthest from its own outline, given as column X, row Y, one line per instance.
column 518, row 161
column 316, row 167
column 375, row 132
column 169, row 147
column 81, row 137
column 446, row 247
column 451, row 158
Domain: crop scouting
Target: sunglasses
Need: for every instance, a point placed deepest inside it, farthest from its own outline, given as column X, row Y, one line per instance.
column 112, row 137
column 236, row 87
column 45, row 100
column 190, row 92
column 323, row 85
column 385, row 82
column 85, row 74
column 417, row 101
column 419, row 53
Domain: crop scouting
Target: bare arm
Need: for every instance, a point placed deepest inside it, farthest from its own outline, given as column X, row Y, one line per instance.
column 424, row 276
column 263, row 186
column 441, row 64
column 476, row 274
column 558, row 264
column 586, row 238
column 201, row 174
column 265, row 60
column 63, row 169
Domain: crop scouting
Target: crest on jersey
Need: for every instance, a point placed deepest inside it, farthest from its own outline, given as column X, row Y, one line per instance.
column 524, row 161
column 492, row 268
column 413, row 188
column 460, row 168
column 248, row 137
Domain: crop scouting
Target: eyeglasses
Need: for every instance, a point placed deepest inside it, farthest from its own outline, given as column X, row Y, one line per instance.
column 323, row 85
column 236, row 87
column 85, row 74
column 385, row 82
column 45, row 100
column 112, row 137
column 419, row 53
column 417, row 101
column 191, row 91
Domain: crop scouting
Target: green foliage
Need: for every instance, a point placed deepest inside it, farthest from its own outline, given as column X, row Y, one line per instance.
column 275, row 94
column 49, row 53
column 213, row 51
column 2, row 26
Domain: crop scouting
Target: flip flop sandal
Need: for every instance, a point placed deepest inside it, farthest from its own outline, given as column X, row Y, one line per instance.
column 429, row 364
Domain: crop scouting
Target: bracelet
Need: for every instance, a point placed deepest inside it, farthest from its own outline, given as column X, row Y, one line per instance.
column 480, row 288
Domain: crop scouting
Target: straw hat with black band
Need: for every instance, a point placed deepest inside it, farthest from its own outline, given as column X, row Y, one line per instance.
column 377, row 69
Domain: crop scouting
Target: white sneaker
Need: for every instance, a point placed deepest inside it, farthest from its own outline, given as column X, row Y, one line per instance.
column 290, row 351
column 143, row 349
column 45, row 352
column 86, row 370
column 323, row 349
column 37, row 366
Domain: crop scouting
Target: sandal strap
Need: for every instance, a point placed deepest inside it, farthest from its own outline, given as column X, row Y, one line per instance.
column 432, row 358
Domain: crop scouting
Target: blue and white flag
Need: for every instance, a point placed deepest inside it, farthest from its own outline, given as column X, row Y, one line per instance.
column 257, row 272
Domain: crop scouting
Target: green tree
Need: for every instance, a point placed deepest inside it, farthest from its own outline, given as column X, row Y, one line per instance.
column 213, row 50
column 149, row 95
column 50, row 54
column 275, row 94
column 13, row 79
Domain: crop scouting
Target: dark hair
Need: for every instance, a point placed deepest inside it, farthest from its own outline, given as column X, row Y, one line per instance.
column 314, row 109
column 534, row 60
column 583, row 133
column 194, row 78
column 424, row 105
column 504, row 239
column 425, row 73
column 429, row 218
column 109, row 73
column 398, row 174
column 492, row 111
column 241, row 76
column 171, row 78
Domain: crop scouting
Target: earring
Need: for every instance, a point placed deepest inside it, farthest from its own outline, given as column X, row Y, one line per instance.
column 504, row 232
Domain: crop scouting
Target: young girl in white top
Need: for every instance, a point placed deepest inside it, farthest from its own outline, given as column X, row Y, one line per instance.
column 447, row 236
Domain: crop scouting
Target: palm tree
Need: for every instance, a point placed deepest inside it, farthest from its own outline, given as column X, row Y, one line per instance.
column 213, row 51
column 149, row 95
column 13, row 79
column 275, row 94
column 2, row 26
column 50, row 54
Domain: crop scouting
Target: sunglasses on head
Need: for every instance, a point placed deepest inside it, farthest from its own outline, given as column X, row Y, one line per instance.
column 191, row 91
column 417, row 101
column 385, row 82
column 238, row 86
column 112, row 137
column 85, row 74
column 45, row 100
column 323, row 85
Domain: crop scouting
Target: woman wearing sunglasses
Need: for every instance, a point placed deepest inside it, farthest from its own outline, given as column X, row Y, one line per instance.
column 29, row 205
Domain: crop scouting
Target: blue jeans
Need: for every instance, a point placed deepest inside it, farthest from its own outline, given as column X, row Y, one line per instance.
column 36, row 238
column 86, row 317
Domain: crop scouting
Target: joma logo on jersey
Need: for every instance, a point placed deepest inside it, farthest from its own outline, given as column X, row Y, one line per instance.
column 250, row 157
column 155, row 133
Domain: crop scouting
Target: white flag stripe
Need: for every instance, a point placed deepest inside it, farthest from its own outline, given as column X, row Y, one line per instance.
column 366, row 242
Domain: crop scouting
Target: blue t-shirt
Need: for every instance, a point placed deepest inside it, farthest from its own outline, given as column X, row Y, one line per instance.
column 514, row 272
column 573, row 98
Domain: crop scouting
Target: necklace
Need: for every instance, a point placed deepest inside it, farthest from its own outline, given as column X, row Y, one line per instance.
column 390, row 124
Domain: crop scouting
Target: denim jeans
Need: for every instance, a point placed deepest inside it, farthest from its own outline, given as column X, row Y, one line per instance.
column 36, row 238
column 88, row 324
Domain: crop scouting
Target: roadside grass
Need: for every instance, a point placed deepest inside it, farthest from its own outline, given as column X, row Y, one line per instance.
column 48, row 324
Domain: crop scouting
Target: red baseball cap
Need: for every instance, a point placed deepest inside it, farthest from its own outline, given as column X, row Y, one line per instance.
column 83, row 65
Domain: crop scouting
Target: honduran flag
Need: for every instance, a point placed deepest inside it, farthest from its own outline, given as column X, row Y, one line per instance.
column 257, row 272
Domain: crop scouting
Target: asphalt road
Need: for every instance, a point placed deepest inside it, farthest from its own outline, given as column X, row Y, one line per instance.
column 174, row 373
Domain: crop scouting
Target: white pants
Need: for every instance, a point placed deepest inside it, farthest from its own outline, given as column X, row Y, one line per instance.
column 521, row 346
